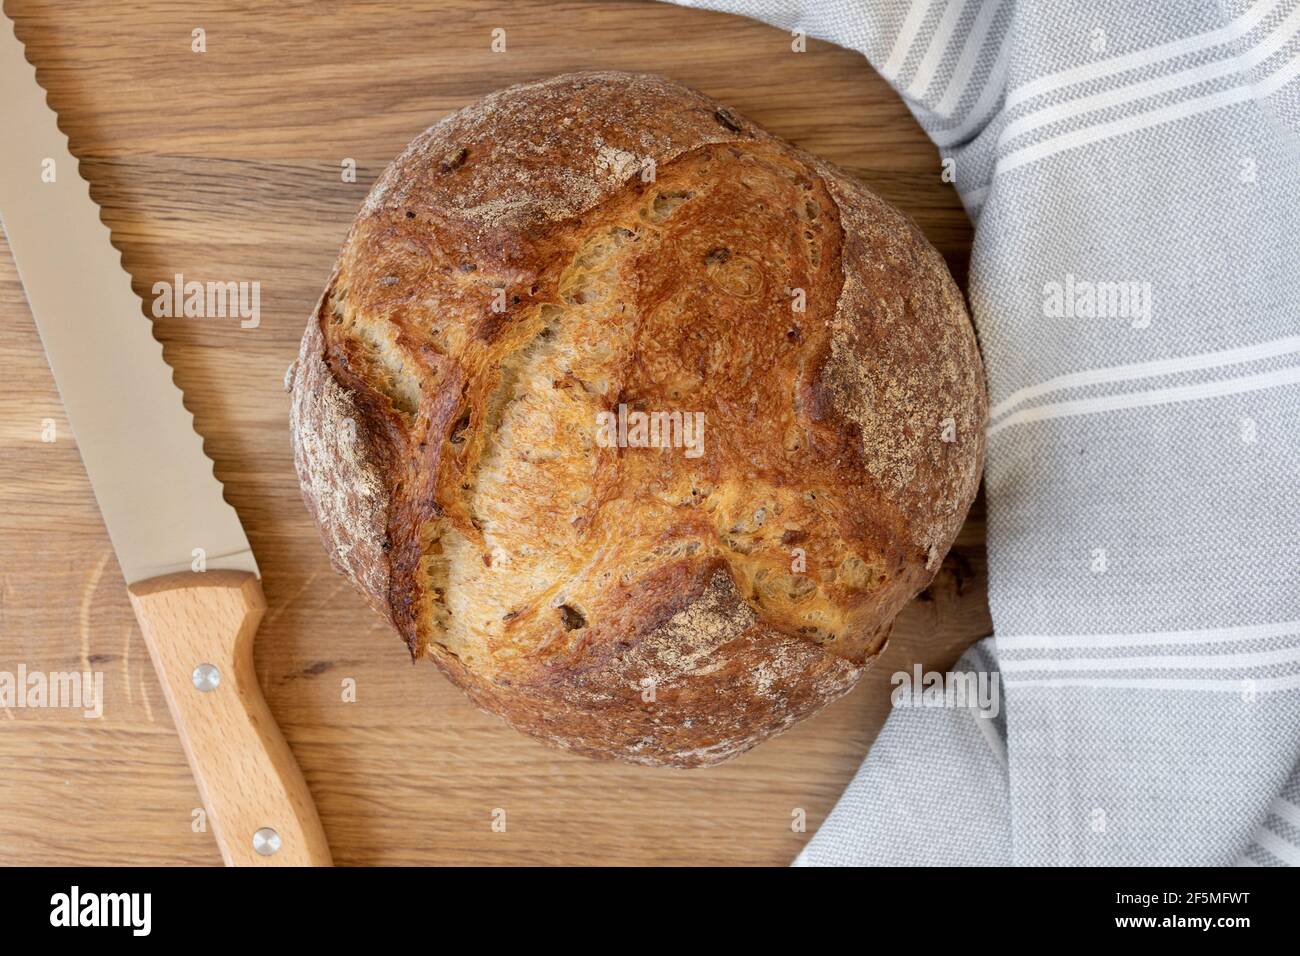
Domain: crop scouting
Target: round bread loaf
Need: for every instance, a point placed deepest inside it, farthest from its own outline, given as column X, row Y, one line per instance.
column 640, row 422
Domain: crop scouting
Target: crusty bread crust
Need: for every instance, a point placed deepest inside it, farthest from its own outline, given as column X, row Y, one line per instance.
column 597, row 240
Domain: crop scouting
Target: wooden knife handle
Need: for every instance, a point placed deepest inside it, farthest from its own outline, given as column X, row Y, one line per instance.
column 247, row 776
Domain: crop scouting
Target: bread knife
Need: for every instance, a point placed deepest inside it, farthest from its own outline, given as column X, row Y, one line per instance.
column 191, row 575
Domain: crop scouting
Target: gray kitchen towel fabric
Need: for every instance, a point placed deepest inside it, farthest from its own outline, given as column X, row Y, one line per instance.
column 1133, row 171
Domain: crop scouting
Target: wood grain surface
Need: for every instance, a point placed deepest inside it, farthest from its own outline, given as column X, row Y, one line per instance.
column 225, row 165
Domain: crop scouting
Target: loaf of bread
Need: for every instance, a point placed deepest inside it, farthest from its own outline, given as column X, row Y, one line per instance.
column 641, row 423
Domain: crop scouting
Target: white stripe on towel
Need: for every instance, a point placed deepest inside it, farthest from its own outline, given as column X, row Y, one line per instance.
column 1169, row 662
column 1213, row 635
column 970, row 55
column 1127, row 373
column 1288, row 853
column 1285, row 810
column 933, row 56
column 1159, row 396
column 994, row 86
column 1256, row 685
column 1270, row 44
column 1148, row 57
column 1140, row 121
column 906, row 37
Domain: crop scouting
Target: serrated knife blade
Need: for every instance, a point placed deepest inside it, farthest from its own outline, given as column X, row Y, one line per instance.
column 155, row 487
column 153, row 482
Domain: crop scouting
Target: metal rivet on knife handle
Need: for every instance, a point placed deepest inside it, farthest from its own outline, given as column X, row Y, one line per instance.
column 266, row 841
column 206, row 678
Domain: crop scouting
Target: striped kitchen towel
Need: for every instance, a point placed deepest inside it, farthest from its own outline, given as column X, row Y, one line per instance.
column 1133, row 171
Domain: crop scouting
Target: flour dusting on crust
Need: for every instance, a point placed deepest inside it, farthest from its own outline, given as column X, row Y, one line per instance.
column 341, row 488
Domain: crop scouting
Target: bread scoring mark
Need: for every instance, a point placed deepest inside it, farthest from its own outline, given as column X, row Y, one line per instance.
column 552, row 426
column 389, row 366
column 340, row 484
column 900, row 347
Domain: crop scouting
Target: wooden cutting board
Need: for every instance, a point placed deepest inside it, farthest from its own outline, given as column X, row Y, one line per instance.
column 226, row 165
